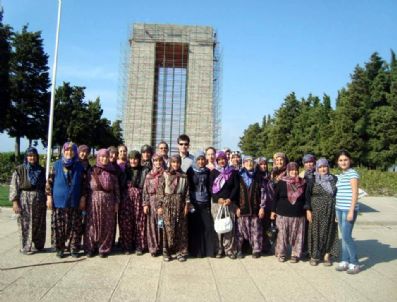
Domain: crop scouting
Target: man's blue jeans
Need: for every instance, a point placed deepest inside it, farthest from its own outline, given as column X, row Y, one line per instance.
column 349, row 253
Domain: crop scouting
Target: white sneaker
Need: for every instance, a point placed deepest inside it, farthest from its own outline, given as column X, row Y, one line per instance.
column 353, row 269
column 342, row 266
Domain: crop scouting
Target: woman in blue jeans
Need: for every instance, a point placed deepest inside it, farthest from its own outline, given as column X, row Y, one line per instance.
column 346, row 211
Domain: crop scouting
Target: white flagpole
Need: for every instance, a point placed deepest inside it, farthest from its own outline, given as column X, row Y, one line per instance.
column 54, row 77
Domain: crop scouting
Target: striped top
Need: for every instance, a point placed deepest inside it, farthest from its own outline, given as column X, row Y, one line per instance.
column 344, row 189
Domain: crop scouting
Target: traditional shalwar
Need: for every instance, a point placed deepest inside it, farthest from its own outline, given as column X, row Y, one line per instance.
column 249, row 225
column 151, row 199
column 173, row 197
column 103, row 197
column 224, row 183
column 66, row 185
column 289, row 204
column 32, row 202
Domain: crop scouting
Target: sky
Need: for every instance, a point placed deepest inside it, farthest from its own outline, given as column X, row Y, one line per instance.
column 270, row 48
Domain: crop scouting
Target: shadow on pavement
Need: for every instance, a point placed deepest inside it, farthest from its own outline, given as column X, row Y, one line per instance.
column 41, row 264
column 374, row 252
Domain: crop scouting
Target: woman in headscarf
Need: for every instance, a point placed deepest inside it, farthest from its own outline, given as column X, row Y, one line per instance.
column 288, row 206
column 147, row 153
column 151, row 202
column 279, row 166
column 320, row 205
column 27, row 193
column 309, row 167
column 84, row 151
column 224, row 183
column 132, row 220
column 235, row 160
column 173, row 207
column 210, row 156
column 122, row 159
column 201, row 224
column 103, row 201
column 250, row 211
column 267, row 194
column 66, row 196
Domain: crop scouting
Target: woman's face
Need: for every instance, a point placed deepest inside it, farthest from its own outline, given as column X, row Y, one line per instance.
column 123, row 153
column 146, row 155
column 201, row 162
column 175, row 165
column 103, row 159
column 210, row 155
column 263, row 166
column 235, row 160
column 83, row 155
column 32, row 158
column 221, row 162
column 293, row 173
column 157, row 163
column 249, row 165
column 344, row 162
column 68, row 153
column 279, row 162
column 323, row 170
column 134, row 162
column 308, row 166
column 113, row 156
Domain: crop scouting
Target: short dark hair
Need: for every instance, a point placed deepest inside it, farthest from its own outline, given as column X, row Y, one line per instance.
column 163, row 143
column 209, row 148
column 183, row 137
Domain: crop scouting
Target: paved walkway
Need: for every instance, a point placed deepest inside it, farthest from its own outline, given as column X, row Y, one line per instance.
column 43, row 277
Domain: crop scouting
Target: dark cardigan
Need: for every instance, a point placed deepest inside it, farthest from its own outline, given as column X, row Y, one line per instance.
column 250, row 197
column 229, row 190
column 281, row 204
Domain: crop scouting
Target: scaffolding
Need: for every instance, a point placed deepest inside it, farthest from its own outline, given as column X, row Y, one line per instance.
column 172, row 86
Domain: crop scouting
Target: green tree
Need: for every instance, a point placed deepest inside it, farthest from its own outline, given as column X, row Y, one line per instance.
column 249, row 141
column 29, row 82
column 5, row 54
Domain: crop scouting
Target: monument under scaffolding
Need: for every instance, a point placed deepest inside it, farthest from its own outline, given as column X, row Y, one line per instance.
column 172, row 80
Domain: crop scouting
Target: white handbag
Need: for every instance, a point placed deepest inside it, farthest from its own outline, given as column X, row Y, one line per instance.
column 223, row 222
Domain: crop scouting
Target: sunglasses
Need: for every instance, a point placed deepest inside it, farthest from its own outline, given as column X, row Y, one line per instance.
column 183, row 144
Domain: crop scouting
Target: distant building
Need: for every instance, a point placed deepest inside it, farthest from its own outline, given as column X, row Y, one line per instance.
column 172, row 86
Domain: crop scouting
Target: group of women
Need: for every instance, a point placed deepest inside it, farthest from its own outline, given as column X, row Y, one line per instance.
column 163, row 210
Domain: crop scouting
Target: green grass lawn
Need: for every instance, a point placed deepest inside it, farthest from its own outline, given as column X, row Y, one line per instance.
column 4, row 202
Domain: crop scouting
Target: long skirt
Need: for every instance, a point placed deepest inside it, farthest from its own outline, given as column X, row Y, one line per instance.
column 66, row 224
column 126, row 223
column 140, row 241
column 100, row 222
column 225, row 243
column 250, row 228
column 154, row 234
column 32, row 220
column 323, row 230
column 291, row 231
column 201, row 232
column 175, row 225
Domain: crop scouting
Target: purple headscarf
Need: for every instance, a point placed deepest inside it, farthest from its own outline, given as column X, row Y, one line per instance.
column 69, row 162
column 108, row 166
column 224, row 173
column 324, row 180
column 295, row 185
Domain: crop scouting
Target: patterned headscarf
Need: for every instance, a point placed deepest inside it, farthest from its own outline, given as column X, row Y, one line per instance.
column 107, row 167
column 84, row 148
column 69, row 162
column 156, row 172
column 324, row 180
column 279, row 172
column 33, row 169
column 307, row 158
column 295, row 185
column 224, row 175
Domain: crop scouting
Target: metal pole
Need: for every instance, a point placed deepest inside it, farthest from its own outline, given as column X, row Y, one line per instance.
column 54, row 76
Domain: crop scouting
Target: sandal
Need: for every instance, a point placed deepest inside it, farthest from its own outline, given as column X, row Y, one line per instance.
column 181, row 258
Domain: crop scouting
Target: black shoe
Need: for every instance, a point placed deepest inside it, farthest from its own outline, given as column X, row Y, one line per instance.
column 90, row 254
column 256, row 255
column 240, row 255
column 153, row 254
column 181, row 258
column 232, row 256
column 219, row 255
column 75, row 254
column 103, row 255
column 139, row 252
column 60, row 254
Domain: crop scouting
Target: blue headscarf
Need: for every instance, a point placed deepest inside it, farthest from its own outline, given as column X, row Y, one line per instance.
column 69, row 162
column 324, row 180
column 246, row 175
column 198, row 154
column 33, row 169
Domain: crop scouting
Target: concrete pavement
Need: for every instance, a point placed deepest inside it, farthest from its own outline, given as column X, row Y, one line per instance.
column 43, row 277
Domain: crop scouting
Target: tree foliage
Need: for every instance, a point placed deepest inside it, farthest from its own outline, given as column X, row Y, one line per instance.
column 364, row 120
